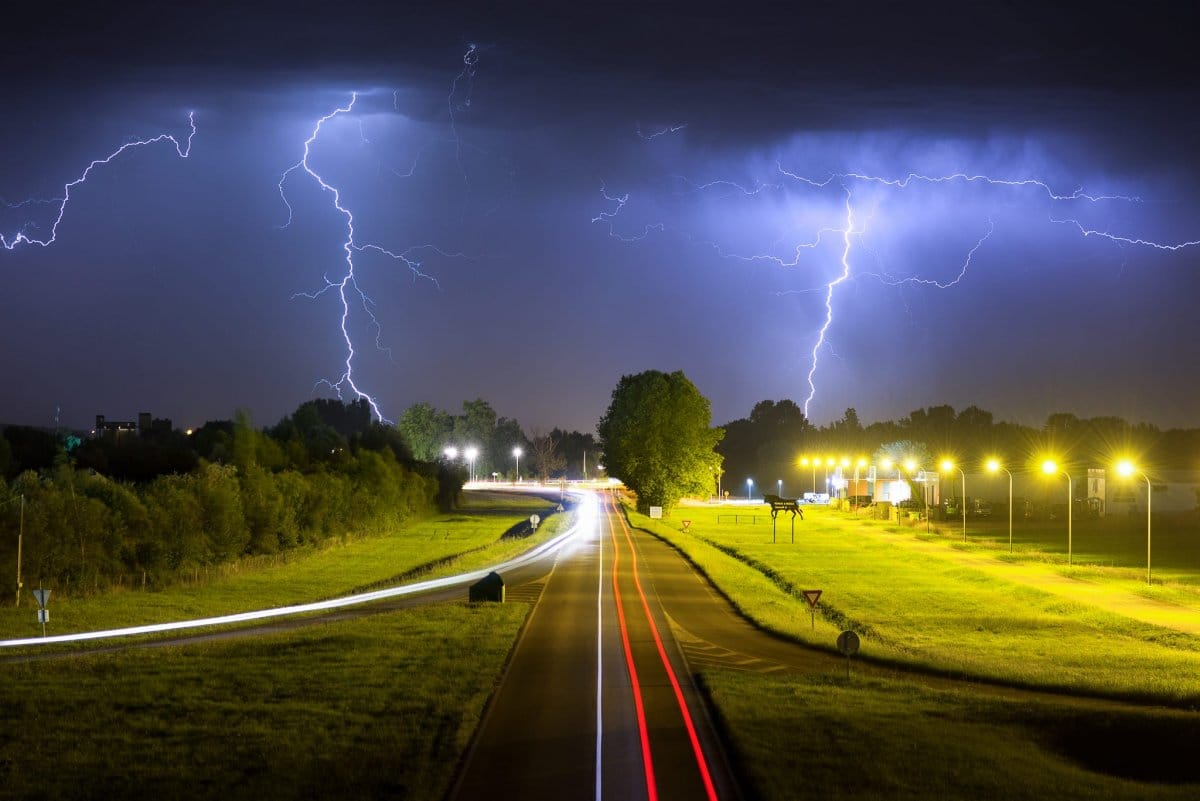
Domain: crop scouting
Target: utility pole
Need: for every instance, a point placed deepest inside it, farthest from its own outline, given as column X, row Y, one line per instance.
column 20, row 536
column 585, row 465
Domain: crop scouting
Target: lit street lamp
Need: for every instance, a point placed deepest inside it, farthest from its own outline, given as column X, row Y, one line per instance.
column 470, row 453
column 779, row 487
column 749, row 489
column 948, row 465
column 804, row 462
column 517, row 458
column 451, row 452
column 1050, row 468
column 994, row 466
column 1127, row 470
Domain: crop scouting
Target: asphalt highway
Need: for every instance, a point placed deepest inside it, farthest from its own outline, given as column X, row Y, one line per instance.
column 597, row 701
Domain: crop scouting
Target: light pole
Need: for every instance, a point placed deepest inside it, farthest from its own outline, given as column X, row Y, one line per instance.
column 470, row 453
column 829, row 462
column 994, row 466
column 517, row 458
column 20, row 537
column 779, row 487
column 1050, row 468
column 749, row 489
column 804, row 462
column 948, row 465
column 1127, row 470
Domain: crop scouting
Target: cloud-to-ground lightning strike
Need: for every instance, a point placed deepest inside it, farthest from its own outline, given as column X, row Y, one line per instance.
column 347, row 287
column 845, row 180
column 11, row 241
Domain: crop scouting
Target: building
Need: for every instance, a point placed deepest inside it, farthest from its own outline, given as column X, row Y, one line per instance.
column 146, row 426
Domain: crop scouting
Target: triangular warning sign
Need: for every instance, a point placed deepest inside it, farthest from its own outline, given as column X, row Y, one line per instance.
column 42, row 597
column 812, row 596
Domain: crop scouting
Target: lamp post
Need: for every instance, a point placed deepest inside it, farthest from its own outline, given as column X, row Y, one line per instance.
column 829, row 462
column 450, row 452
column 779, row 487
column 948, row 465
column 749, row 489
column 804, row 462
column 470, row 453
column 1127, row 470
column 20, row 538
column 1050, row 468
column 517, row 458
column 994, row 466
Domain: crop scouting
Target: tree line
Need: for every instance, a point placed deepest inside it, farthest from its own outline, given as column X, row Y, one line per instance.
column 771, row 440
column 147, row 510
column 428, row 431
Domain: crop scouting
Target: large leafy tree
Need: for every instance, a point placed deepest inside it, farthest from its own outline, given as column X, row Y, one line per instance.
column 657, row 438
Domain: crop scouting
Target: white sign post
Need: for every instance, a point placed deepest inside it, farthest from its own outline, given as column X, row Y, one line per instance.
column 656, row 513
column 43, row 598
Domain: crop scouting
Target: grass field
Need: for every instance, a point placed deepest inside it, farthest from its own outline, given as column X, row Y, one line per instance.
column 466, row 539
column 379, row 707
column 928, row 601
column 823, row 737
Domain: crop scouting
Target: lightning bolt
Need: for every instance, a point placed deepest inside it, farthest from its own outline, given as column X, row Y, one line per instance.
column 618, row 202
column 844, row 276
column 669, row 129
column 345, row 286
column 22, row 237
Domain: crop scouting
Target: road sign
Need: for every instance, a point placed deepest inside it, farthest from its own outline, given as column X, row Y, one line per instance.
column 43, row 597
column 686, row 523
column 43, row 616
column 533, row 521
column 812, row 596
column 656, row 513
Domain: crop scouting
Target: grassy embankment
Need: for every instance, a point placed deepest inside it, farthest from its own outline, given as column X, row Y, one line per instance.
column 928, row 601
column 466, row 539
column 379, row 707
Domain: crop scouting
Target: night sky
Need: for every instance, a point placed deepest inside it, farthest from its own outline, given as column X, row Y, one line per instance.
column 609, row 188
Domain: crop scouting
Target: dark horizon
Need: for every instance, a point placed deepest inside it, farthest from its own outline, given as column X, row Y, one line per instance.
column 618, row 189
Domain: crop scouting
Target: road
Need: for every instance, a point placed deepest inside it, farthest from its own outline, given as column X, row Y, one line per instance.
column 598, row 701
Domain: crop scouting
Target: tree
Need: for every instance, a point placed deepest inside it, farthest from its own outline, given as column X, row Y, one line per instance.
column 426, row 431
column 657, row 437
column 544, row 456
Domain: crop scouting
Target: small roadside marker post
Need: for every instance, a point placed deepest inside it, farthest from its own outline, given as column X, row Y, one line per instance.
column 686, row 525
column 43, row 598
column 847, row 643
column 812, row 596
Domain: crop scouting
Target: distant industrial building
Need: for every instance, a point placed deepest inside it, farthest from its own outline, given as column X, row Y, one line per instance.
column 146, row 426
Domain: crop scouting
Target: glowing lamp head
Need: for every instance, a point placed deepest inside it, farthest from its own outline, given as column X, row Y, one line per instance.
column 845, row 461
column 947, row 465
column 887, row 464
column 910, row 465
column 804, row 461
column 451, row 453
column 1125, row 468
column 993, row 465
column 471, row 453
column 862, row 462
column 517, row 452
column 1049, row 467
column 830, row 462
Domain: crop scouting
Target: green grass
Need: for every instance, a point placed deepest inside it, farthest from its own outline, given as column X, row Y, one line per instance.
column 463, row 540
column 823, row 737
column 958, row 612
column 382, row 706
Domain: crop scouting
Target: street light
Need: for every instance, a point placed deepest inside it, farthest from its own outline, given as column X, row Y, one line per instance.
column 948, row 465
column 749, row 489
column 450, row 452
column 993, row 467
column 517, row 458
column 1050, row 468
column 804, row 462
column 469, row 454
column 829, row 462
column 1127, row 470
column 779, row 487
